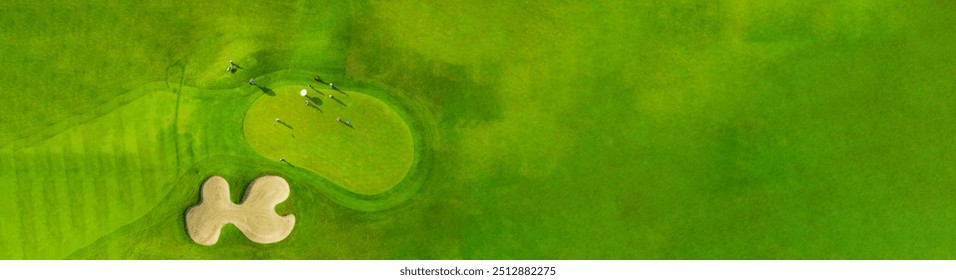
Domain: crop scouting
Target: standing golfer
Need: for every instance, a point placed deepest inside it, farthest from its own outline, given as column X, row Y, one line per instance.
column 229, row 69
column 277, row 120
column 252, row 81
column 331, row 97
column 331, row 86
column 317, row 79
column 306, row 103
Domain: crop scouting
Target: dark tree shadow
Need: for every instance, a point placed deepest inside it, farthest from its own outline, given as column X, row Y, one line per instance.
column 314, row 100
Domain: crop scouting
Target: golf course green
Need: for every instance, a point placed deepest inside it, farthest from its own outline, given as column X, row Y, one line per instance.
column 483, row 130
column 368, row 155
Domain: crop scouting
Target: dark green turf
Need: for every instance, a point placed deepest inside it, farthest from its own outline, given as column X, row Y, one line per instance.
column 542, row 130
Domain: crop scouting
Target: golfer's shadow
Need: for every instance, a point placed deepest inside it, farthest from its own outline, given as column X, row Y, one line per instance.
column 285, row 124
column 348, row 124
column 316, row 107
column 267, row 91
column 339, row 101
column 340, row 91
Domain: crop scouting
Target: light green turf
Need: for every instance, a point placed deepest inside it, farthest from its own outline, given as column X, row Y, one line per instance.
column 367, row 156
column 540, row 129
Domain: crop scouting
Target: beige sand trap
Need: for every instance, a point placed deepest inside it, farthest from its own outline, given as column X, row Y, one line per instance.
column 255, row 216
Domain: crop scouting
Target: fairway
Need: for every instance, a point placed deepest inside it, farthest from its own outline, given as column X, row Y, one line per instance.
column 367, row 156
column 469, row 130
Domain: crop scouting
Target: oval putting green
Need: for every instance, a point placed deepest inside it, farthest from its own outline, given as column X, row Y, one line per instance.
column 369, row 155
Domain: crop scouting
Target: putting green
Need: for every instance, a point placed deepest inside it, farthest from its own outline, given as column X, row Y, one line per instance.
column 368, row 157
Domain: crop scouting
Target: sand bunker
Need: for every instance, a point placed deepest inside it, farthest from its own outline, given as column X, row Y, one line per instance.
column 255, row 216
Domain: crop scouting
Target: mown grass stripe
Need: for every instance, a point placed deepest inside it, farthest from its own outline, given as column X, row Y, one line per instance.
column 156, row 151
column 42, row 200
column 69, row 177
column 107, row 174
column 10, row 230
column 55, row 192
column 31, row 225
column 167, row 153
column 160, row 167
column 82, row 186
column 183, row 150
column 66, row 124
column 101, row 198
column 137, row 159
column 175, row 131
column 200, row 147
column 95, row 184
column 121, row 160
column 186, row 152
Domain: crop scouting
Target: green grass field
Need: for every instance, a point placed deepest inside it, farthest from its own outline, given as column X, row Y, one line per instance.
column 484, row 130
column 368, row 155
